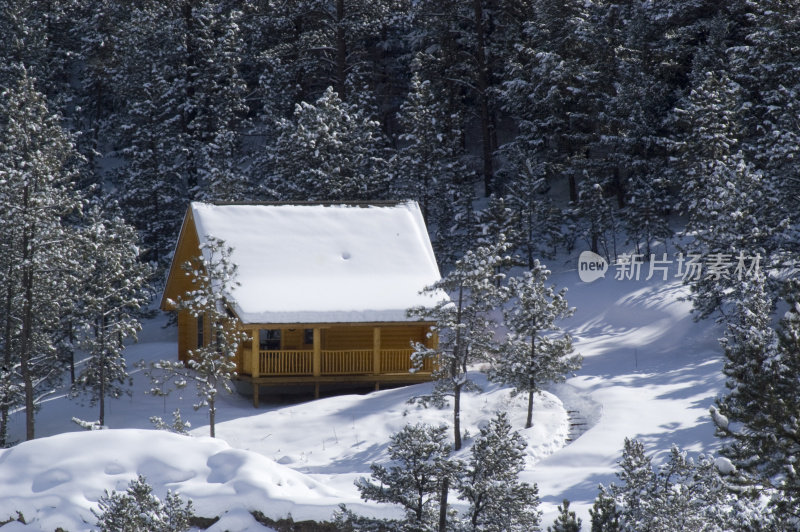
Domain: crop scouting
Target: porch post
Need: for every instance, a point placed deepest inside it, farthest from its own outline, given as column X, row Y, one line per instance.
column 376, row 350
column 316, row 364
column 255, row 358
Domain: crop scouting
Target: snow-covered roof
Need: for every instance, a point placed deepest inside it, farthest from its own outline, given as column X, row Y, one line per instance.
column 324, row 263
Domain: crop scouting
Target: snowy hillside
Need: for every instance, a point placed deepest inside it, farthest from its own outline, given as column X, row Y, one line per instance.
column 649, row 372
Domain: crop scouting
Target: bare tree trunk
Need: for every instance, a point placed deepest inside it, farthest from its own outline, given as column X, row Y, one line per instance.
column 27, row 322
column 212, row 414
column 454, row 370
column 531, row 381
column 529, row 421
column 25, row 348
column 4, row 409
column 443, row 505
column 188, row 116
column 71, row 353
column 341, row 51
column 487, row 133
column 573, row 189
column 457, row 417
column 102, row 417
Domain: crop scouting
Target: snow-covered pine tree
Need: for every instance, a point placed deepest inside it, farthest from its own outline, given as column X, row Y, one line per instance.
column 766, row 66
column 330, row 151
column 430, row 160
column 534, row 353
column 748, row 343
column 148, row 127
column 631, row 121
column 139, row 510
column 497, row 221
column 334, row 43
column 37, row 166
column 465, row 325
column 730, row 205
column 213, row 365
column 540, row 224
column 178, row 76
column 635, row 495
column 548, row 88
column 464, row 46
column 566, row 521
column 604, row 512
column 216, row 105
column 498, row 500
column 430, row 167
column 681, row 494
column 178, row 425
column 757, row 418
column 595, row 216
column 420, row 457
column 114, row 290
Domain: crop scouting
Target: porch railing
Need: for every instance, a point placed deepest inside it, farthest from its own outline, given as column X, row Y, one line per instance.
column 338, row 362
column 350, row 362
column 286, row 362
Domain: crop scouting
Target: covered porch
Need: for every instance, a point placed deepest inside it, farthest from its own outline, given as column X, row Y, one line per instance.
column 279, row 354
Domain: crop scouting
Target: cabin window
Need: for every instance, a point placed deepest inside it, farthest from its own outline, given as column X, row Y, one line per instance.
column 269, row 339
column 308, row 336
column 200, row 331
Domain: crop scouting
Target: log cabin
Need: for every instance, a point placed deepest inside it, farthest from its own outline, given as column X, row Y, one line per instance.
column 323, row 291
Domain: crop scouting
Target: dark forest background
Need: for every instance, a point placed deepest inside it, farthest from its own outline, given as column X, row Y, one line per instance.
column 579, row 121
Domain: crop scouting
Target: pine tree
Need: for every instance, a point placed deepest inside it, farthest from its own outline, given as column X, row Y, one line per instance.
column 114, row 289
column 531, row 355
column 148, row 128
column 430, row 162
column 730, row 205
column 595, row 217
column 217, row 107
column 757, row 418
column 631, row 121
column 37, row 165
column 498, row 501
column 636, row 493
column 604, row 512
column 334, row 43
column 213, row 365
column 463, row 47
column 177, row 74
column 330, row 151
column 465, row 325
column 682, row 494
column 540, row 223
column 766, row 68
column 139, row 510
column 566, row 520
column 430, row 167
column 550, row 89
column 421, row 467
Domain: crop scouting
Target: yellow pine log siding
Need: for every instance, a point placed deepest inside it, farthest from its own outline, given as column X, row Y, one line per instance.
column 178, row 283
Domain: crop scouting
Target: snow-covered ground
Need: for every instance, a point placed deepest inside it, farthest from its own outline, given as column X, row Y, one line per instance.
column 649, row 372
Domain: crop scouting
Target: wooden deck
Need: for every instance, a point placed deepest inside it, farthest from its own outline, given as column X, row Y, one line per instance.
column 353, row 366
